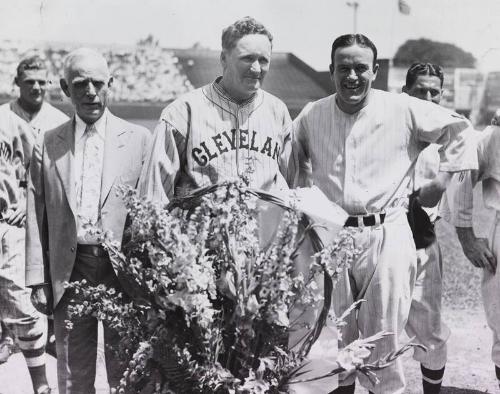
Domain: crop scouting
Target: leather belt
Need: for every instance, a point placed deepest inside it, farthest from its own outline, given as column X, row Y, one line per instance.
column 93, row 250
column 368, row 220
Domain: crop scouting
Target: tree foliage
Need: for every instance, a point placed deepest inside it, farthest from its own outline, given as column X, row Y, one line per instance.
column 425, row 50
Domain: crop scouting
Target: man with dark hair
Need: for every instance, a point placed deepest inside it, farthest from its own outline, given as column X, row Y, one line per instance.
column 425, row 81
column 359, row 146
column 31, row 106
column 228, row 129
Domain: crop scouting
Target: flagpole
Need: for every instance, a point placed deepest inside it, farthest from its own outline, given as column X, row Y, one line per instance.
column 354, row 4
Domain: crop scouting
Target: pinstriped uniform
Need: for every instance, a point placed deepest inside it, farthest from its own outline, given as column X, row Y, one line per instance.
column 461, row 203
column 16, row 309
column 424, row 319
column 364, row 162
column 204, row 137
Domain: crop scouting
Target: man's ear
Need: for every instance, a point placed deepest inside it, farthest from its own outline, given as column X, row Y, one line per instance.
column 110, row 82
column 375, row 71
column 223, row 61
column 64, row 87
column 404, row 89
column 331, row 68
column 16, row 81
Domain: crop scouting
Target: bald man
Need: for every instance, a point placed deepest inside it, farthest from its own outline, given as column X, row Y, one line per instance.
column 73, row 171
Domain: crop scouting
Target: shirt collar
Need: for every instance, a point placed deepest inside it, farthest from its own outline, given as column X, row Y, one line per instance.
column 100, row 126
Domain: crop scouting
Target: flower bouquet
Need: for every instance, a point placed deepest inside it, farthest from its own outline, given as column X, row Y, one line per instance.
column 209, row 306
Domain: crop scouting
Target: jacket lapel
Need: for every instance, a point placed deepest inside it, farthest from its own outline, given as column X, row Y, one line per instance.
column 114, row 157
column 65, row 148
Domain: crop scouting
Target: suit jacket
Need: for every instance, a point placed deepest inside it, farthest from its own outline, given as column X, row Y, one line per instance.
column 51, row 234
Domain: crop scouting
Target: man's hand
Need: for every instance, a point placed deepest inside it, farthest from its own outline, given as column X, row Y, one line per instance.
column 430, row 194
column 476, row 249
column 41, row 298
column 16, row 215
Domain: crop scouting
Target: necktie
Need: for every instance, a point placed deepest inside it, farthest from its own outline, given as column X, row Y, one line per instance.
column 91, row 177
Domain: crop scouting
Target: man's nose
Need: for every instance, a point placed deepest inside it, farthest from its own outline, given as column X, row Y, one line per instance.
column 36, row 85
column 352, row 74
column 91, row 89
column 428, row 96
column 255, row 67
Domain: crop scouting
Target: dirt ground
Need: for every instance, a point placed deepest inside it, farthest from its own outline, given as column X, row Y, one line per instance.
column 469, row 369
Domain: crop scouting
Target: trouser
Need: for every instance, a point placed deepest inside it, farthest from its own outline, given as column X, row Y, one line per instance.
column 490, row 289
column 424, row 321
column 77, row 348
column 383, row 275
column 16, row 310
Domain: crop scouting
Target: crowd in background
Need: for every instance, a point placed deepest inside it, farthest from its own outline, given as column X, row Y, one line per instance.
column 143, row 73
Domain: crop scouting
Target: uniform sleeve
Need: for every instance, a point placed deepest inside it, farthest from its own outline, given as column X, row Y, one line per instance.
column 299, row 162
column 432, row 123
column 161, row 169
column 460, row 192
column 287, row 142
column 10, row 161
column 37, row 259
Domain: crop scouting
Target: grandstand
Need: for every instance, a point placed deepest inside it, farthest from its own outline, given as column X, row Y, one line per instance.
column 147, row 76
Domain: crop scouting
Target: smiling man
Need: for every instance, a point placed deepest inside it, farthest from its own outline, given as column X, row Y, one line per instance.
column 71, row 199
column 359, row 146
column 228, row 129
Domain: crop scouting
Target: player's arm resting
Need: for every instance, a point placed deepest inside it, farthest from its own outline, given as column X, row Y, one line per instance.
column 461, row 196
column 454, row 134
column 162, row 164
column 37, row 259
column 299, row 172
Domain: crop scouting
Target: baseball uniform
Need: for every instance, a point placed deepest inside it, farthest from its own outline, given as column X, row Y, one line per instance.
column 204, row 137
column 46, row 119
column 424, row 319
column 17, row 311
column 364, row 162
column 461, row 202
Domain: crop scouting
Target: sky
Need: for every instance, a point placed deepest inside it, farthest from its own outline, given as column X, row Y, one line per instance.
column 304, row 27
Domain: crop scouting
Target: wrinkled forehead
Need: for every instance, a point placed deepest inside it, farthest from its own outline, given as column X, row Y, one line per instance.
column 85, row 68
column 33, row 75
column 353, row 54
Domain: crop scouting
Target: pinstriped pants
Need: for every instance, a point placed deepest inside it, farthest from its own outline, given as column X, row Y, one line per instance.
column 424, row 320
column 383, row 275
column 16, row 309
column 490, row 290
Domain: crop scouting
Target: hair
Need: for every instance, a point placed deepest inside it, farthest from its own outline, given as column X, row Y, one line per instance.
column 417, row 69
column 348, row 40
column 79, row 54
column 34, row 62
column 241, row 28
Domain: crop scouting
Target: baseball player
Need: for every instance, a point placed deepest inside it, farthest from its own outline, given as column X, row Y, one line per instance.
column 359, row 146
column 228, row 129
column 29, row 115
column 425, row 81
column 16, row 310
column 482, row 253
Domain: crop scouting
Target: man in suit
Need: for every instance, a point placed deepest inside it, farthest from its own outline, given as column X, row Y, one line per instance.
column 73, row 172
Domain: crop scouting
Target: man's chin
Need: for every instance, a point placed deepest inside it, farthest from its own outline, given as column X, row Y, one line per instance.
column 90, row 116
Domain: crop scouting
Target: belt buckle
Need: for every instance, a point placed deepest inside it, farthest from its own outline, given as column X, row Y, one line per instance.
column 361, row 221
